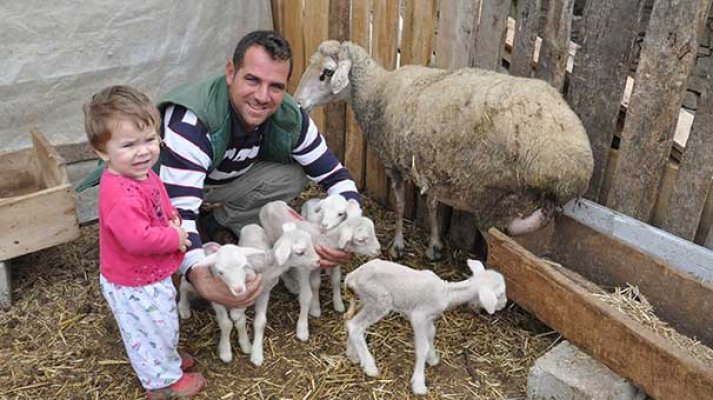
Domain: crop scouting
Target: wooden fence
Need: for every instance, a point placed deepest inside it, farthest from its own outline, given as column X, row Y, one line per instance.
column 663, row 47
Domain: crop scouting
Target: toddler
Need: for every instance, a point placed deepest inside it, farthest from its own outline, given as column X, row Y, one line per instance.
column 141, row 242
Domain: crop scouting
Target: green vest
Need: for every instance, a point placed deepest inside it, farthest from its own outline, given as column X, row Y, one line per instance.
column 208, row 100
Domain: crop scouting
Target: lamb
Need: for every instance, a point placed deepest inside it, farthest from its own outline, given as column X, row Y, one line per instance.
column 420, row 295
column 328, row 213
column 293, row 249
column 230, row 263
column 356, row 234
column 498, row 146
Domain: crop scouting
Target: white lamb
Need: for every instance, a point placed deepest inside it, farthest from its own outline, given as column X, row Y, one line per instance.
column 230, row 264
column 293, row 249
column 328, row 213
column 384, row 286
column 356, row 234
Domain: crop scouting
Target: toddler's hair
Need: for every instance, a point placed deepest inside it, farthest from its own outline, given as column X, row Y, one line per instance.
column 112, row 104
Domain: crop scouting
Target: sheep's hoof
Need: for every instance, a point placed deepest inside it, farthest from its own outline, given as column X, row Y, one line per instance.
column 371, row 370
column 339, row 306
column 226, row 357
column 419, row 388
column 315, row 312
column 434, row 253
column 185, row 313
column 245, row 347
column 303, row 333
column 256, row 359
column 396, row 252
column 433, row 360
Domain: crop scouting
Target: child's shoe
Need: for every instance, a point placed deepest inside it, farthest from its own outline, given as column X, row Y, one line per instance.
column 189, row 385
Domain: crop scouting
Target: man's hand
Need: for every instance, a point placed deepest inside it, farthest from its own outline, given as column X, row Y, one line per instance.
column 329, row 257
column 213, row 289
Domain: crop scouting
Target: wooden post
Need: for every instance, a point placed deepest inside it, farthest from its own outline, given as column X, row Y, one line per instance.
column 490, row 36
column 315, row 27
column 354, row 143
column 665, row 63
column 457, row 25
column 553, row 53
column 599, row 76
column 523, row 47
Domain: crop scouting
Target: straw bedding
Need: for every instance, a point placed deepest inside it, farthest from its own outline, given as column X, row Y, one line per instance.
column 59, row 340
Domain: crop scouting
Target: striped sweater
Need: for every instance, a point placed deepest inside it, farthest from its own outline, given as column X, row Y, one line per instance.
column 186, row 165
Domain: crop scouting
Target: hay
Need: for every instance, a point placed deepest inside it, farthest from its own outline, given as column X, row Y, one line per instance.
column 60, row 341
column 631, row 301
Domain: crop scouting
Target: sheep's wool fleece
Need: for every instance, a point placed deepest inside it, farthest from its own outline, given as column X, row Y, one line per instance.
column 490, row 143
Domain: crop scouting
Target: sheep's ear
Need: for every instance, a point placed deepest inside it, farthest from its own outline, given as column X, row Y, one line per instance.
column 353, row 208
column 340, row 79
column 345, row 236
column 475, row 266
column 282, row 250
column 488, row 299
column 209, row 261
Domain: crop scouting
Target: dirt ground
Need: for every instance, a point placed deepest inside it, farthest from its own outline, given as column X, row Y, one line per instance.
column 59, row 340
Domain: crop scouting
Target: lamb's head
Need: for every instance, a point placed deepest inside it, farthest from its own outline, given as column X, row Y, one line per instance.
column 326, row 79
column 358, row 236
column 491, row 288
column 294, row 248
column 230, row 264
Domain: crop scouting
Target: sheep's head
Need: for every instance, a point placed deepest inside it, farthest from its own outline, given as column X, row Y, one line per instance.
column 230, row 264
column 491, row 288
column 326, row 79
column 295, row 248
column 359, row 236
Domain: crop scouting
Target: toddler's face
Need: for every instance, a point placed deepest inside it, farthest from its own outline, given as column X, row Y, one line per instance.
column 131, row 152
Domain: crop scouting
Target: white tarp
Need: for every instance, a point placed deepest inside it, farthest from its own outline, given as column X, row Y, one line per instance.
column 55, row 54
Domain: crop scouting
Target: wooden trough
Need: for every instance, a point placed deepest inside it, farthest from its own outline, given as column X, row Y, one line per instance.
column 610, row 250
column 37, row 207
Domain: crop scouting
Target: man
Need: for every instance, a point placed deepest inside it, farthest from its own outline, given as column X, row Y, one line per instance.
column 236, row 142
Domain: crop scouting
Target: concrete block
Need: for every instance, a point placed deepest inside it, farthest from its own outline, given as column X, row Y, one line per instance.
column 566, row 373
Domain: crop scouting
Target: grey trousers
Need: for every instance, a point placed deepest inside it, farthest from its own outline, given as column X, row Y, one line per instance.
column 242, row 198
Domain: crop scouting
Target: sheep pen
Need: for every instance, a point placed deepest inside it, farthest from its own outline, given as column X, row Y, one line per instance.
column 59, row 340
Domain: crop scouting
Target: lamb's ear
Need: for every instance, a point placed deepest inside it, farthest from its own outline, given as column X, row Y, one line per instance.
column 282, row 251
column 353, row 208
column 475, row 266
column 487, row 299
column 340, row 79
column 209, row 261
column 345, row 236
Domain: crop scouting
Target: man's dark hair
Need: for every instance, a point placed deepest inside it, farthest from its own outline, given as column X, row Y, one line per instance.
column 276, row 46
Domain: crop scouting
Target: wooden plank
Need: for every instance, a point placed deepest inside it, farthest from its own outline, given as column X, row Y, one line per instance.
column 598, row 78
column 278, row 16
column 385, row 34
column 490, row 36
column 619, row 342
column 315, row 25
column 685, row 206
column 552, row 61
column 676, row 252
column 50, row 167
column 677, row 297
column 354, row 143
column 457, row 23
column 523, row 46
column 336, row 113
column 293, row 28
column 665, row 63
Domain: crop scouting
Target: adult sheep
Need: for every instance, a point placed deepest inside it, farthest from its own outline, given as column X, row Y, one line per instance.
column 507, row 149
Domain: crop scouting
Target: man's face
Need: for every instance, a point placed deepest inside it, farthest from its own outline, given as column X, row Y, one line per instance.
column 257, row 87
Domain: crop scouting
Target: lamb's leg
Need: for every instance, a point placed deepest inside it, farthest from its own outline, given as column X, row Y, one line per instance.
column 184, row 291
column 397, row 187
column 241, row 324
column 305, row 300
column 435, row 246
column 432, row 358
column 226, row 326
column 357, row 349
column 315, row 277
column 335, row 278
column 421, row 338
column 256, row 355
